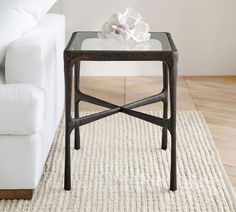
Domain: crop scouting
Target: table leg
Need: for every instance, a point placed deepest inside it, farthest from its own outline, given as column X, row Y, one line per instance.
column 172, row 81
column 165, row 106
column 76, row 104
column 68, row 88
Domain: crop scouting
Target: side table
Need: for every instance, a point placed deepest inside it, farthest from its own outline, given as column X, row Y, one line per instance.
column 85, row 46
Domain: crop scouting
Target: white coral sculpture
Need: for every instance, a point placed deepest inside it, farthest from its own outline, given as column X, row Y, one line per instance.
column 126, row 26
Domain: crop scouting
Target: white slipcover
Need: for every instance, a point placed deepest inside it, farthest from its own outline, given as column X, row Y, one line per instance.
column 18, row 17
column 21, row 109
column 33, row 96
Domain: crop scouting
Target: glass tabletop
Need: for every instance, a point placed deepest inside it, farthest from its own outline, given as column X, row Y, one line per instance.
column 89, row 41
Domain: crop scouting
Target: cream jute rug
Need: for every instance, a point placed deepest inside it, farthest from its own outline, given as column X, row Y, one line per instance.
column 121, row 167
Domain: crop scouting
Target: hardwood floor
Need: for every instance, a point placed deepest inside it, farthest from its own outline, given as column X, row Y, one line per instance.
column 214, row 96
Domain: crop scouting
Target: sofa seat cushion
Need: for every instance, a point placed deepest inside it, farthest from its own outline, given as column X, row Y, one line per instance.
column 22, row 109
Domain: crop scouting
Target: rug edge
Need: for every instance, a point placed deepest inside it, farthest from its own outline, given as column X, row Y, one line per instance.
column 212, row 143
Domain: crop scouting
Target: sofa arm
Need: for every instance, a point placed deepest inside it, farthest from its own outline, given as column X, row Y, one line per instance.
column 34, row 56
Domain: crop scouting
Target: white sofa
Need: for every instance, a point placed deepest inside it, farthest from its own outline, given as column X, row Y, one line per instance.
column 31, row 104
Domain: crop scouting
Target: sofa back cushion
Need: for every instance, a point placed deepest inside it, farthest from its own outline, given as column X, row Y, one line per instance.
column 37, row 8
column 18, row 17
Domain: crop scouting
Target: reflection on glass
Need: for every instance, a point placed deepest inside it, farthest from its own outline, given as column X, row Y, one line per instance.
column 112, row 44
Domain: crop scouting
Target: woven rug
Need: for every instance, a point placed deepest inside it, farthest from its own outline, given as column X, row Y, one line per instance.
column 121, row 167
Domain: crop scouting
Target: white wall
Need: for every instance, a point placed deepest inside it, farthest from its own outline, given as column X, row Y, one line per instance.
column 204, row 30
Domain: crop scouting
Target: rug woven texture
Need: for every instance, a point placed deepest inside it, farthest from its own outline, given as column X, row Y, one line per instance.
column 120, row 167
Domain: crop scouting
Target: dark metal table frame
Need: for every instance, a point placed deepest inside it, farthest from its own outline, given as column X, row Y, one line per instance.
column 72, row 61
